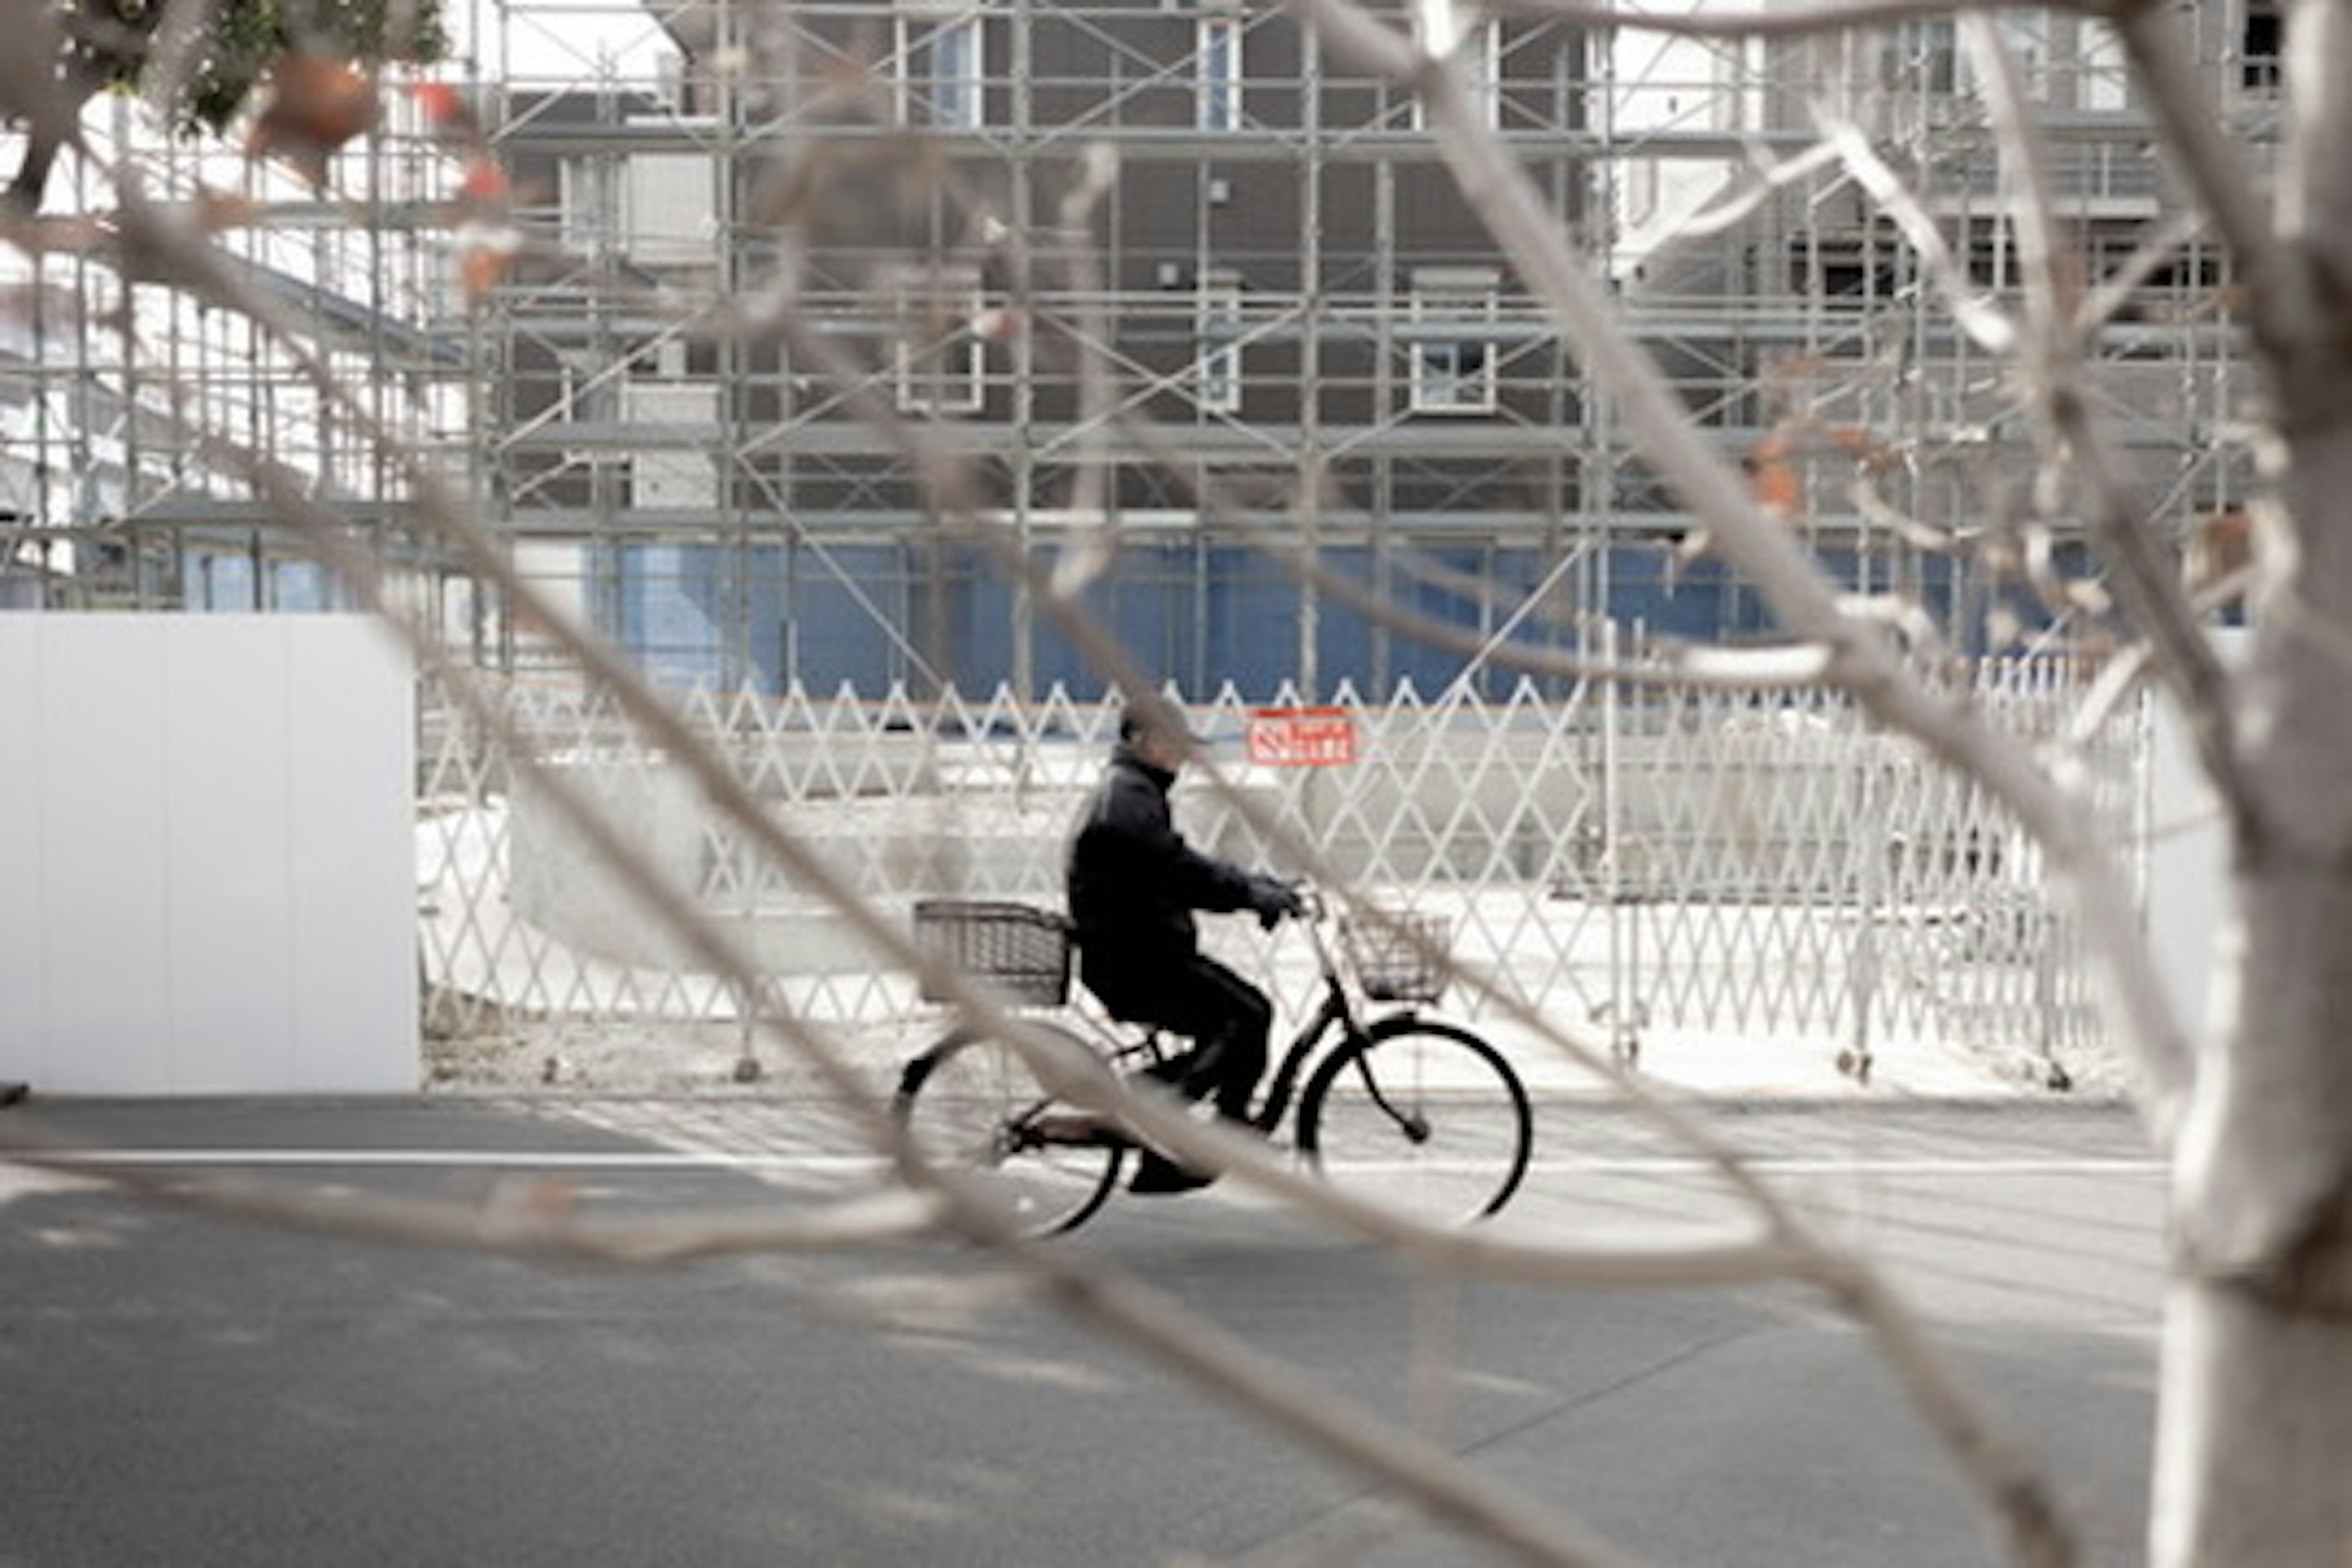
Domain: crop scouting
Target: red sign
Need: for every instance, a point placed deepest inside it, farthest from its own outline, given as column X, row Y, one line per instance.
column 1301, row 737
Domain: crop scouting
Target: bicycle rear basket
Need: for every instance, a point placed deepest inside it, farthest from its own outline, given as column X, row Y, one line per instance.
column 1398, row 956
column 1021, row 951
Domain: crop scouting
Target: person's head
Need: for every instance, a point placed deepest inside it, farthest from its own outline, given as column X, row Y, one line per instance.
column 1155, row 729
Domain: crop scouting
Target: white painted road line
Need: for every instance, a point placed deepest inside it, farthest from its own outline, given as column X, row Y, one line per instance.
column 717, row 1159
column 429, row 1159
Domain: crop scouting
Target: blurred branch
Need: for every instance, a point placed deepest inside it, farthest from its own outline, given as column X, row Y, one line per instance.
column 948, row 486
column 1436, row 1481
column 2155, row 40
column 1728, row 212
column 1790, row 1250
column 536, row 1217
column 1799, row 20
column 1859, row 656
column 1852, row 648
column 2050, row 355
column 2108, row 295
column 1978, row 316
column 37, row 96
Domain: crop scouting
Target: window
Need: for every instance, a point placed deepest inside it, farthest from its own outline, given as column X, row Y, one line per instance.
column 937, row 351
column 588, row 195
column 1453, row 341
column 1477, row 54
column 2261, row 52
column 668, row 209
column 1220, row 323
column 941, row 79
column 1220, row 62
column 2107, row 79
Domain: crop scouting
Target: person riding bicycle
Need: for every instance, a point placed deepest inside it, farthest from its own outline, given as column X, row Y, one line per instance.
column 1133, row 886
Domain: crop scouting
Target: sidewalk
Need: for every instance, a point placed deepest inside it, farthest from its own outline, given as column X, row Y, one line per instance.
column 662, row 1056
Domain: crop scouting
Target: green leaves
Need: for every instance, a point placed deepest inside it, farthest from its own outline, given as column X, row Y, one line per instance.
column 247, row 38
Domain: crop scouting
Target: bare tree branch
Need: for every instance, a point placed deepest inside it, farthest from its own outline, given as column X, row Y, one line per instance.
column 1799, row 20
column 536, row 1217
column 2049, row 360
column 1435, row 1480
column 1859, row 656
column 1832, row 635
column 2216, row 168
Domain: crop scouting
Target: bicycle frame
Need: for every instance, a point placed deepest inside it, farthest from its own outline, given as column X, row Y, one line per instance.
column 1337, row 1007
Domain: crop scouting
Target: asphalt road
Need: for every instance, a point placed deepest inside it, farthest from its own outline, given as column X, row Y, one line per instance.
column 179, row 1391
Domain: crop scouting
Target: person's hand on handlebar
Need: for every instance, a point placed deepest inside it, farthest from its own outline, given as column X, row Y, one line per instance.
column 1273, row 899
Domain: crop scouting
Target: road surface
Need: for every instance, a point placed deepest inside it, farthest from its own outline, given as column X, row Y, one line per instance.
column 175, row 1390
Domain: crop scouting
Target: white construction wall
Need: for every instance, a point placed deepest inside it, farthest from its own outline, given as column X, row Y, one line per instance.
column 2189, row 912
column 207, row 863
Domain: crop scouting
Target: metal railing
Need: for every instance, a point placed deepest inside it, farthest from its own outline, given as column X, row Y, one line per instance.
column 1640, row 859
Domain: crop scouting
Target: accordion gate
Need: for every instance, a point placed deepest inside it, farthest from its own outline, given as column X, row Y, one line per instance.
column 1642, row 859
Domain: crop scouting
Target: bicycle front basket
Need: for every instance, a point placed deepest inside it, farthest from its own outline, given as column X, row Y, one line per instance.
column 1020, row 949
column 1398, row 956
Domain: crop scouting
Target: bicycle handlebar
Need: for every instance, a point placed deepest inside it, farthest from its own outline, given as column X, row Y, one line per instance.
column 1309, row 906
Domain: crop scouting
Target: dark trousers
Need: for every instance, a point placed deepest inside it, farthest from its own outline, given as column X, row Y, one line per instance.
column 1226, row 1018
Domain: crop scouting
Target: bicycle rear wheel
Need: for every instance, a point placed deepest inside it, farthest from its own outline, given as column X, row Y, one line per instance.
column 1422, row 1117
column 971, row 1103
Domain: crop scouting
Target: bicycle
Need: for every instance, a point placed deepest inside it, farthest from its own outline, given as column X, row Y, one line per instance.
column 1420, row 1113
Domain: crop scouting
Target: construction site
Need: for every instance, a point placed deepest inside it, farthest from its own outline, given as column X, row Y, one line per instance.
column 654, row 285
column 799, row 349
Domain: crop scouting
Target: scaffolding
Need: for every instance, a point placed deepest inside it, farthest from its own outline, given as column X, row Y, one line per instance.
column 1167, row 274
column 762, row 335
column 133, row 411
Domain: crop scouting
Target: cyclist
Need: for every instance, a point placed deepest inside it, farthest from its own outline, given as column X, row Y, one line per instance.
column 1133, row 886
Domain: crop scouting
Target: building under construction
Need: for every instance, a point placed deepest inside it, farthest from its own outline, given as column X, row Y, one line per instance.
column 802, row 327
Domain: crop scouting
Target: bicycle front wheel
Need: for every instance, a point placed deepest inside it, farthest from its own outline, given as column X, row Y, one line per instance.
column 971, row 1104
column 1422, row 1117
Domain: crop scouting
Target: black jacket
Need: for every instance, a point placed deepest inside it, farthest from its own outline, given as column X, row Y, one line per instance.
column 1134, row 883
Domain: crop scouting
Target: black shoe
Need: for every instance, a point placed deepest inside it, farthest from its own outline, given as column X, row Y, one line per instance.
column 1157, row 1173
column 1078, row 1129
column 12, row 1093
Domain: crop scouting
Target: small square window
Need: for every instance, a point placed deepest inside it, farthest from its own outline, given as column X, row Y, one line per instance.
column 1453, row 378
column 1454, row 315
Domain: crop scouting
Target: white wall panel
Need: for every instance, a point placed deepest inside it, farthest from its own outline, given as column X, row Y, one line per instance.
column 213, row 814
column 352, row 862
column 21, row 945
column 105, row 912
column 225, row 733
column 2192, row 905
